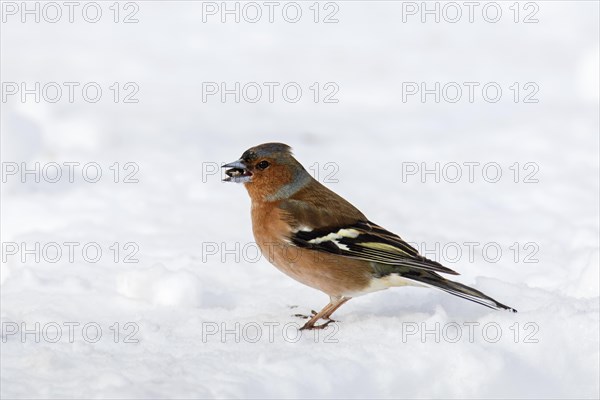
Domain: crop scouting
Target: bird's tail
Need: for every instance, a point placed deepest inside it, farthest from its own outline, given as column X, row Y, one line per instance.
column 457, row 289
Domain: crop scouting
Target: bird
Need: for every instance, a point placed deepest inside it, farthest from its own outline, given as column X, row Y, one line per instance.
column 318, row 238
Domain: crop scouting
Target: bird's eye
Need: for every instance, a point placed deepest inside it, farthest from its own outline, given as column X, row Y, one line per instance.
column 262, row 165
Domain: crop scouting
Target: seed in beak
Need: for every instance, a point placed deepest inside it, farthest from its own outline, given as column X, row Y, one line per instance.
column 233, row 172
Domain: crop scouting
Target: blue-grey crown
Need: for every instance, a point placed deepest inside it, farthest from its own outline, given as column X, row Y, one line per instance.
column 266, row 150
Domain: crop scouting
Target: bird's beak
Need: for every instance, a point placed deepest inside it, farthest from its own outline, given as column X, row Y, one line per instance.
column 237, row 172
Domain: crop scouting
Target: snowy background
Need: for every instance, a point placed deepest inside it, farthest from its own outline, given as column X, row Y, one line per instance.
column 199, row 315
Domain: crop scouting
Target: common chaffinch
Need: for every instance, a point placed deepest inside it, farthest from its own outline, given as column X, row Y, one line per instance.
column 321, row 240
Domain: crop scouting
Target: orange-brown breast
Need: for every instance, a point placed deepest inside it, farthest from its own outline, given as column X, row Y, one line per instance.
column 332, row 274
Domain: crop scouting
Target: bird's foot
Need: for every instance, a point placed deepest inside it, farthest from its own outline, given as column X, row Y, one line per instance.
column 311, row 325
column 312, row 320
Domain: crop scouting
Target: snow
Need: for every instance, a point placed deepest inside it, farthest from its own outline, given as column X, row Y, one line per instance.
column 201, row 314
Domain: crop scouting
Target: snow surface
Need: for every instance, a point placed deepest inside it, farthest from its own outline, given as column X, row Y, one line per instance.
column 182, row 302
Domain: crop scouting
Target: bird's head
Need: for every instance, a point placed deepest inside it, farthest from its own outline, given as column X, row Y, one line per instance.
column 269, row 172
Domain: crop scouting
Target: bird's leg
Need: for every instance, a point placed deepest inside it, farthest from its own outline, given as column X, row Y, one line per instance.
column 311, row 323
column 340, row 303
column 333, row 305
column 313, row 315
